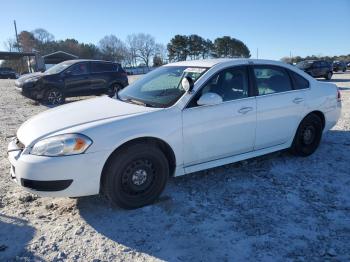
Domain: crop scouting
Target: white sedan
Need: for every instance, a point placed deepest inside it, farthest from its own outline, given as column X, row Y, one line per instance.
column 178, row 119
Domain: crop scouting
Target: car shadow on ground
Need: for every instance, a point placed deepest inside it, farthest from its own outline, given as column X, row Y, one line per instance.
column 15, row 234
column 268, row 207
column 334, row 80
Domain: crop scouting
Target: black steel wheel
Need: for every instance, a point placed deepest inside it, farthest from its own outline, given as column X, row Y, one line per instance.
column 135, row 176
column 308, row 136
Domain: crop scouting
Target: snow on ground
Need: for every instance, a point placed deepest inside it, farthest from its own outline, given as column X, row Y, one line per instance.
column 277, row 207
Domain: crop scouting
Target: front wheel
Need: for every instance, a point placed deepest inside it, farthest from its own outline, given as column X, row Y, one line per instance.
column 308, row 136
column 135, row 176
column 54, row 96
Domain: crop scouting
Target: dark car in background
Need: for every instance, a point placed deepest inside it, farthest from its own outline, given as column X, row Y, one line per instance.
column 339, row 66
column 317, row 68
column 7, row 73
column 73, row 78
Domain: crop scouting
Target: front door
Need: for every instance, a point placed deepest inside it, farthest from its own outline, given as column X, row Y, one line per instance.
column 77, row 79
column 212, row 132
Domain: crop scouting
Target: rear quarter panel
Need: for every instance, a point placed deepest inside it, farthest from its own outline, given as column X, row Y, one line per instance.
column 323, row 97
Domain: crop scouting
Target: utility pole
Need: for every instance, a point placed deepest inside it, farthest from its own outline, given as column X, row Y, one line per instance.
column 257, row 53
column 14, row 23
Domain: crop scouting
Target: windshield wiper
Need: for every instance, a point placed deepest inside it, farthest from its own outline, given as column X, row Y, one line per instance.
column 137, row 102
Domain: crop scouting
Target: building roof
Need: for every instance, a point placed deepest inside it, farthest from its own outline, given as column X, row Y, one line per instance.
column 58, row 57
column 14, row 55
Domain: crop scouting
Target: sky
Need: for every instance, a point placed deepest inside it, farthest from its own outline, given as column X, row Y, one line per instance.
column 277, row 28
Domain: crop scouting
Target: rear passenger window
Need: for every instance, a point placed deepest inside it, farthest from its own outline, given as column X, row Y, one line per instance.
column 271, row 80
column 299, row 81
column 101, row 67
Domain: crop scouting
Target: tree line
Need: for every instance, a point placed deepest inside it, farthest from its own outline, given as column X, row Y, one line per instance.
column 182, row 47
column 137, row 49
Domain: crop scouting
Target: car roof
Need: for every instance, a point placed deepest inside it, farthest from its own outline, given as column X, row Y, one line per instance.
column 213, row 62
column 89, row 60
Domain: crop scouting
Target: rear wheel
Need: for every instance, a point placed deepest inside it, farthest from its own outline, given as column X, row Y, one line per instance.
column 308, row 136
column 328, row 76
column 113, row 89
column 135, row 176
column 54, row 96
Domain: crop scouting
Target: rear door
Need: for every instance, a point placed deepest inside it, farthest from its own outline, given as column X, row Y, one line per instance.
column 101, row 74
column 77, row 79
column 279, row 106
column 317, row 69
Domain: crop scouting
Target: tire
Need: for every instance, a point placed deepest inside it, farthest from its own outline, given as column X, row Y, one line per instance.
column 113, row 89
column 54, row 96
column 308, row 136
column 328, row 76
column 135, row 176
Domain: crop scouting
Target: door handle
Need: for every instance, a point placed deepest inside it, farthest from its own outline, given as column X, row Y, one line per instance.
column 245, row 110
column 298, row 100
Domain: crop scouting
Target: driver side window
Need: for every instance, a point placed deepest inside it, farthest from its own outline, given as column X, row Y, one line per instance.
column 230, row 84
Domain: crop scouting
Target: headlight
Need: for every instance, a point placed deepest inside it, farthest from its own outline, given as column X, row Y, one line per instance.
column 62, row 145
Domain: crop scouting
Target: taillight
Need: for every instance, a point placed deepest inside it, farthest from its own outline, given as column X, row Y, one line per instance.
column 338, row 96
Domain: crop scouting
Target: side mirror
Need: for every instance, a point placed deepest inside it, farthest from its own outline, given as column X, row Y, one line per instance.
column 187, row 84
column 209, row 99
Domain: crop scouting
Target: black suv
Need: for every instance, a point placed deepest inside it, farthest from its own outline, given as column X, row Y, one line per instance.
column 317, row 68
column 73, row 78
column 7, row 73
column 339, row 66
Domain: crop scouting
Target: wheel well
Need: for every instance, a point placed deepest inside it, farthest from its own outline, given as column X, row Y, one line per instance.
column 162, row 145
column 115, row 83
column 320, row 115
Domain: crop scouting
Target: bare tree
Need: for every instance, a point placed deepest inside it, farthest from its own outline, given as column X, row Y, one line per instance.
column 42, row 35
column 161, row 52
column 113, row 49
column 11, row 45
column 131, row 43
column 142, row 46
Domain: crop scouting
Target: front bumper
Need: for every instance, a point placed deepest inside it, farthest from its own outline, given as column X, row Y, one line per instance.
column 66, row 176
column 29, row 90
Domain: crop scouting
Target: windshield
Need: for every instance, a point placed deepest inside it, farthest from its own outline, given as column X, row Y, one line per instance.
column 304, row 64
column 58, row 68
column 161, row 87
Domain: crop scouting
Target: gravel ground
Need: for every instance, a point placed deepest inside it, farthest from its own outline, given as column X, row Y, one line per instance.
column 277, row 207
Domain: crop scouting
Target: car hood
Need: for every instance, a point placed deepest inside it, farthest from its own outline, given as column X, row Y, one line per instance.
column 74, row 114
column 28, row 76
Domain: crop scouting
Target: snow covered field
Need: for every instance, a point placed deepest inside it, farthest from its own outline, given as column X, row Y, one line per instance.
column 277, row 207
